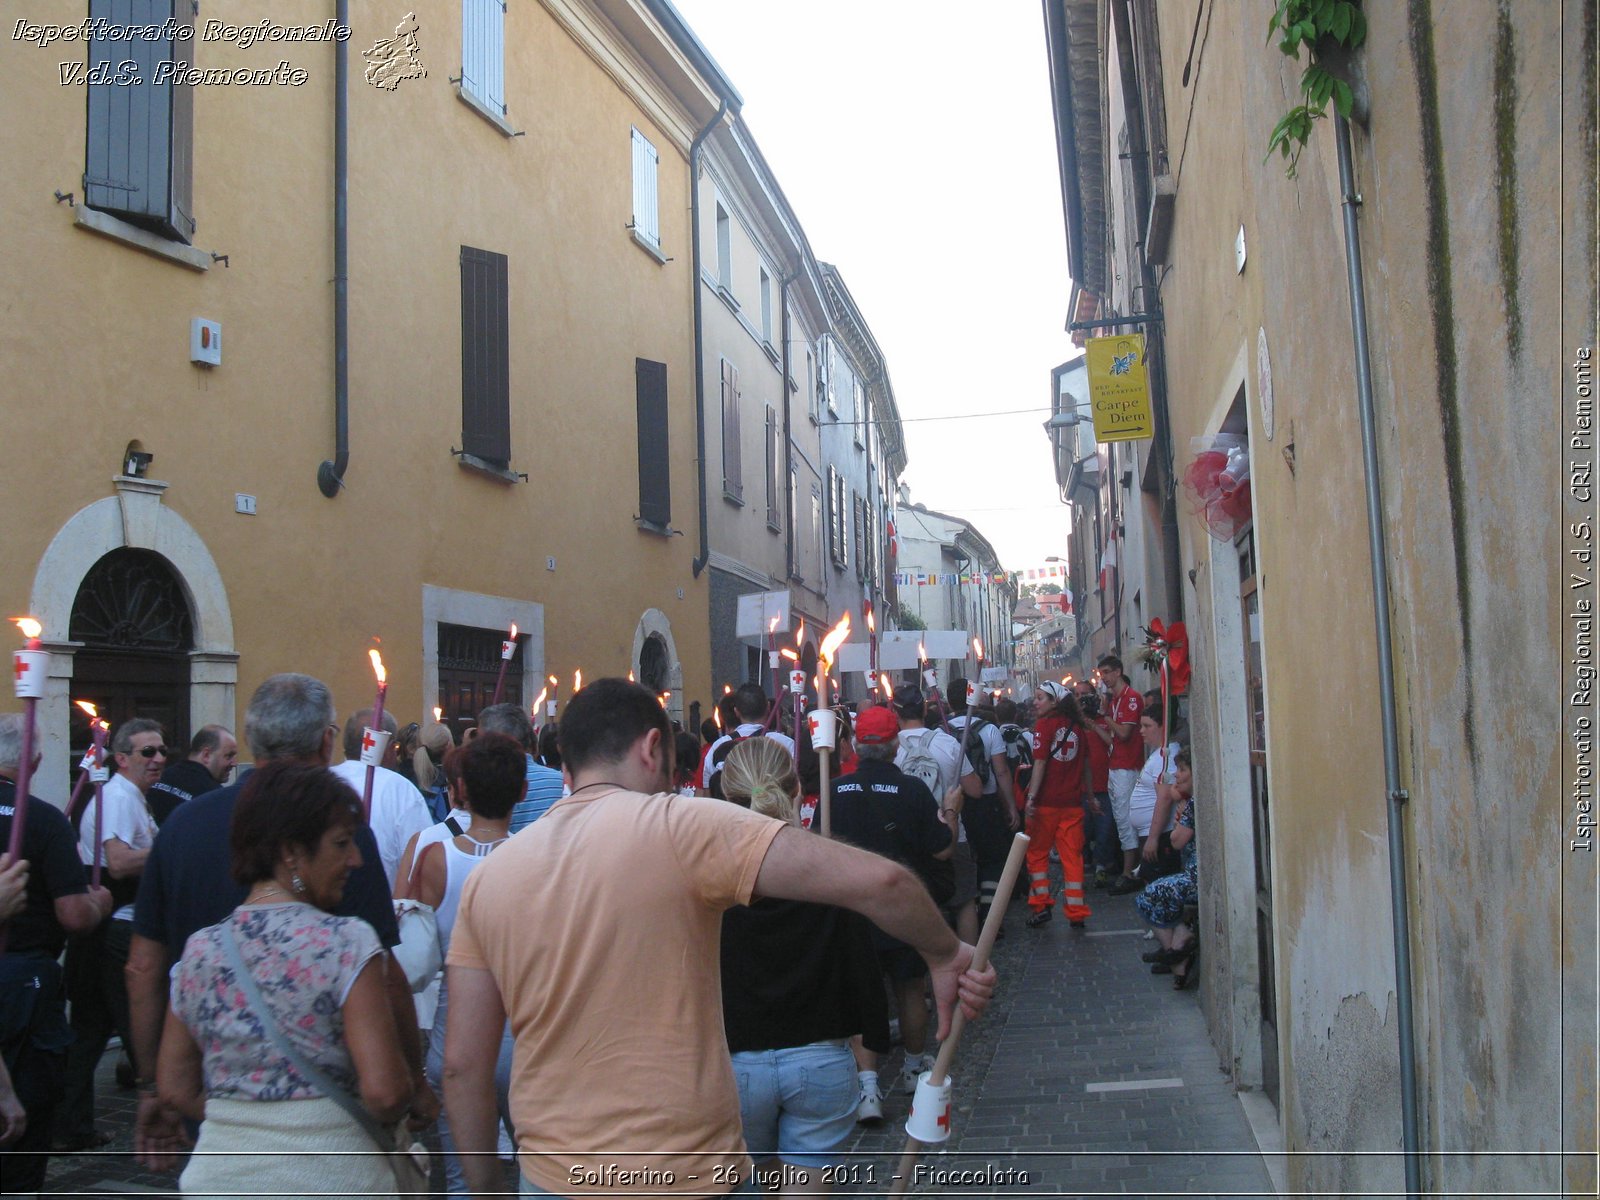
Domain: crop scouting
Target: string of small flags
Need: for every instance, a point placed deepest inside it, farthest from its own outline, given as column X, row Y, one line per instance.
column 956, row 578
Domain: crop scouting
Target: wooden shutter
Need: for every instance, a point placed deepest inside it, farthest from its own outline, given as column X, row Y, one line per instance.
column 483, row 51
column 732, row 467
column 655, row 476
column 485, row 356
column 774, row 457
column 138, row 159
column 646, row 197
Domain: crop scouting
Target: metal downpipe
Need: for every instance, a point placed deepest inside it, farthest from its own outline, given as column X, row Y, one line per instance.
column 1396, row 795
column 699, row 564
column 330, row 475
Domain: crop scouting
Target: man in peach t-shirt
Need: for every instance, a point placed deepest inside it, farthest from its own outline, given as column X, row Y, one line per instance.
column 597, row 933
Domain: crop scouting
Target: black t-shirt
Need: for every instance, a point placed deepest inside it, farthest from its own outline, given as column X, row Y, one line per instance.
column 794, row 973
column 187, row 883
column 54, row 870
column 881, row 808
column 181, row 781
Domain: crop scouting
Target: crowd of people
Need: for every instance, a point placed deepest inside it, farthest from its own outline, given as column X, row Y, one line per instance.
column 611, row 924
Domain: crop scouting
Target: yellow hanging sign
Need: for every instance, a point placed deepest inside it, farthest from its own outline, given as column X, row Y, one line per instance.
column 1118, row 389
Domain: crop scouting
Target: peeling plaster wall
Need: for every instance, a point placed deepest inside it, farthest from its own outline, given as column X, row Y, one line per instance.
column 1459, row 168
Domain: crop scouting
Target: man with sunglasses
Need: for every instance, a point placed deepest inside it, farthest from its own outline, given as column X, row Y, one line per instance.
column 94, row 967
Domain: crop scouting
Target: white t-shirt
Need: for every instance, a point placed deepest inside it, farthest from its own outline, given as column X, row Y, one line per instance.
column 398, row 810
column 945, row 751
column 993, row 743
column 1142, row 806
column 748, row 730
column 127, row 818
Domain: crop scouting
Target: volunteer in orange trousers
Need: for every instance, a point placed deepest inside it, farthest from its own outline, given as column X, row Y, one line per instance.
column 1058, row 790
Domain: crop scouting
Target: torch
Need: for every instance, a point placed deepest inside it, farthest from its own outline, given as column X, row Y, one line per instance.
column 507, row 649
column 29, row 667
column 929, row 1120
column 872, row 647
column 824, row 723
column 772, row 666
column 98, row 774
column 930, row 680
column 972, row 696
column 91, row 757
column 374, row 741
column 555, row 696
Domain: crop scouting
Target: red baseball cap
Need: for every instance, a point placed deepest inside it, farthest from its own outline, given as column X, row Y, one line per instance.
column 877, row 726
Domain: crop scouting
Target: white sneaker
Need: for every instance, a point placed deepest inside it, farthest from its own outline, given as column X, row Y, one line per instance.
column 911, row 1070
column 869, row 1111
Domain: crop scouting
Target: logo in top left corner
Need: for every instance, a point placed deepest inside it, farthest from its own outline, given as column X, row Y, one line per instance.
column 392, row 61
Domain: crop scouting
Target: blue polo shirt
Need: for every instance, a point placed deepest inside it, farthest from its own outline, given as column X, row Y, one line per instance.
column 544, row 789
column 187, row 883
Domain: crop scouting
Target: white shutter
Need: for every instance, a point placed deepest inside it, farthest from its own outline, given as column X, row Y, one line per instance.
column 483, row 51
column 646, row 199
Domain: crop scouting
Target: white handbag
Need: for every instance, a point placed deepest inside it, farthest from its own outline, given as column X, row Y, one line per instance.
column 418, row 953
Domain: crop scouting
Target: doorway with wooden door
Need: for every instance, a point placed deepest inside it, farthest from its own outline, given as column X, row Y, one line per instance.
column 469, row 667
column 136, row 630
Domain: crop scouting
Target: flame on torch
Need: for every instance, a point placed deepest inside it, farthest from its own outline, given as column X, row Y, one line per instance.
column 800, row 633
column 727, row 688
column 772, row 625
column 631, row 679
column 538, row 701
column 552, row 681
column 513, row 636
column 888, row 688
column 93, row 712
column 977, row 647
column 872, row 624
column 577, row 682
column 716, row 715
column 835, row 638
column 31, row 629
column 789, row 654
column 922, row 651
column 377, row 665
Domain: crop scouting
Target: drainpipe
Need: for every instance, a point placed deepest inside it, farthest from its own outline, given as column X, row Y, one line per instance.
column 788, row 430
column 1397, row 795
column 699, row 563
column 330, row 475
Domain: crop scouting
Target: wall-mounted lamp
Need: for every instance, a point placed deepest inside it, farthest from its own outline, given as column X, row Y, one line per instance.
column 1066, row 418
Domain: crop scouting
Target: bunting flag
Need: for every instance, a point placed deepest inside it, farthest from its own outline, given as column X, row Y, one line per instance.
column 1108, row 561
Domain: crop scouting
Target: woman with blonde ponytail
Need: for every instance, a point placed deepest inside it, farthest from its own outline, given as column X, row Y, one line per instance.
column 798, row 981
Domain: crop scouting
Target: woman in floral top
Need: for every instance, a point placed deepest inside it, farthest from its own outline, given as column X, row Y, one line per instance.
column 1162, row 902
column 321, row 978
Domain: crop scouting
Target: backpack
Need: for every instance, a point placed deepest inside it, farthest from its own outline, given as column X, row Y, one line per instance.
column 975, row 752
column 937, row 875
column 1019, row 753
column 714, row 764
column 919, row 762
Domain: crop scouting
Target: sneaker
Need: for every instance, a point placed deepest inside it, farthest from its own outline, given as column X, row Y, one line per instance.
column 1077, row 924
column 869, row 1110
column 913, row 1067
column 1042, row 917
column 1103, row 878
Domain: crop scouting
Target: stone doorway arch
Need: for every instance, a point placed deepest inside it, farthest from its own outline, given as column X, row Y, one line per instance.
column 655, row 660
column 135, row 518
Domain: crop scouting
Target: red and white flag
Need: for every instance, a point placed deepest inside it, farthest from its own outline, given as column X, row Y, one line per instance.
column 1108, row 561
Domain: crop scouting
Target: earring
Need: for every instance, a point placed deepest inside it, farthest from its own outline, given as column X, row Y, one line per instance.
column 297, row 884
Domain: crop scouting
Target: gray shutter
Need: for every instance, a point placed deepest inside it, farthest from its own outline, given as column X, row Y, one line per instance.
column 655, row 478
column 732, row 467
column 646, row 200
column 138, row 141
column 485, row 356
column 772, row 467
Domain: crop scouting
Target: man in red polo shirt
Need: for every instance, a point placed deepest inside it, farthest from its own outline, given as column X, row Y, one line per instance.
column 1122, row 723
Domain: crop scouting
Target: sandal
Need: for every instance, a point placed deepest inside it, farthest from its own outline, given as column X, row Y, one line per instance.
column 1042, row 917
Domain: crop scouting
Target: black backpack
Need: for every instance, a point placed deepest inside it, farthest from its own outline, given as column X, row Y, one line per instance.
column 972, row 738
column 718, row 757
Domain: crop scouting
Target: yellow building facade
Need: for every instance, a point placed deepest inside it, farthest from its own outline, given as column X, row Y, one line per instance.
column 513, row 273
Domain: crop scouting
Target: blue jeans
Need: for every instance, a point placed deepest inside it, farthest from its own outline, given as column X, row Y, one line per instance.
column 798, row 1103
column 1103, row 836
column 455, row 1180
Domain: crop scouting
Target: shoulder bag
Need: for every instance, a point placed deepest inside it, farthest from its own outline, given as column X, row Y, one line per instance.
column 407, row 1159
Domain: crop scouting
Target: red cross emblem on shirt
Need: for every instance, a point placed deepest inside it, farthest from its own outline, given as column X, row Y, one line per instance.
column 368, row 741
column 20, row 666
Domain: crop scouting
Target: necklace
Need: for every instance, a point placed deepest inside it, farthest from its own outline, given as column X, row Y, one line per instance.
column 598, row 783
column 271, row 891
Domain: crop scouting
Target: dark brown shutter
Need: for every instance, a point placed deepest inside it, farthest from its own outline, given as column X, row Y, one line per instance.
column 138, row 143
column 485, row 356
column 732, row 468
column 655, row 478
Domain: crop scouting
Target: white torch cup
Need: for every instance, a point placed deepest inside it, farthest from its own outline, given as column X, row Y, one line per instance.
column 372, row 755
column 32, row 667
column 929, row 1121
column 824, row 728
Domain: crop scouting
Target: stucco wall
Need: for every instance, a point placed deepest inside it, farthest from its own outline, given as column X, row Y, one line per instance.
column 95, row 342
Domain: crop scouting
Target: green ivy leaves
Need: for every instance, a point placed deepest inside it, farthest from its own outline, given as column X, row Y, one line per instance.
column 1297, row 23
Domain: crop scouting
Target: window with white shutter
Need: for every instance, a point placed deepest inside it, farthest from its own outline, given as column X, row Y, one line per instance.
column 646, row 196
column 483, row 52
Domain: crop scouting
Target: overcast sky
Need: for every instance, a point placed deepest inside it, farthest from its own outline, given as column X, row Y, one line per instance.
column 915, row 142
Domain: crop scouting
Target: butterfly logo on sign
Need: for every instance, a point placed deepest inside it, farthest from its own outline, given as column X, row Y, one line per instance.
column 391, row 61
column 1123, row 363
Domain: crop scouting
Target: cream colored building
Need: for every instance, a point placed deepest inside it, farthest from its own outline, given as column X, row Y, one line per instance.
column 520, row 405
column 1473, row 181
